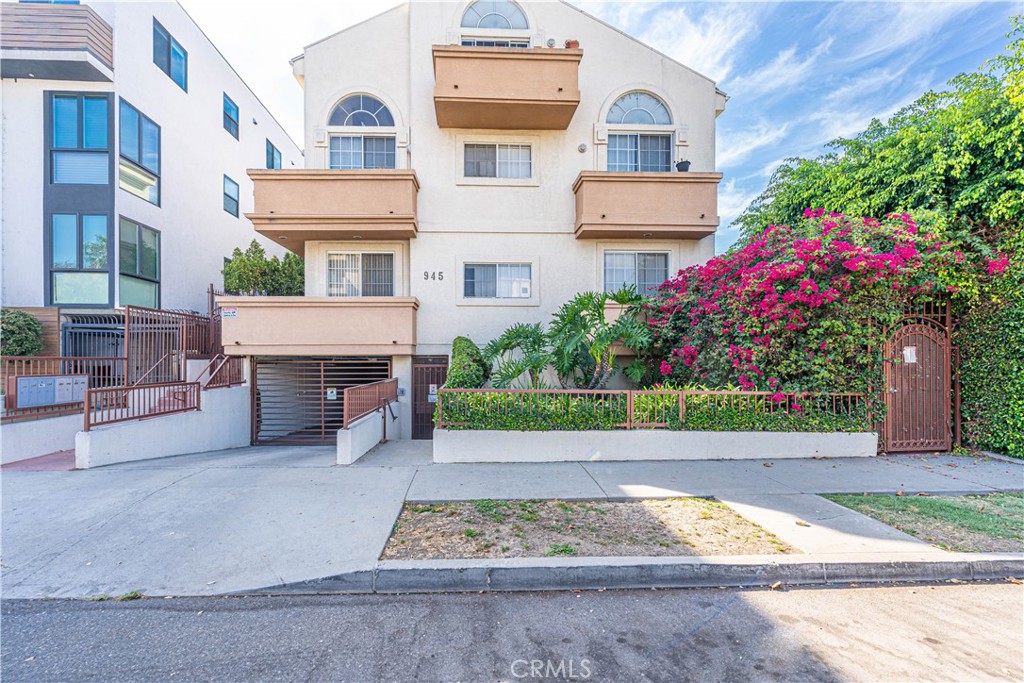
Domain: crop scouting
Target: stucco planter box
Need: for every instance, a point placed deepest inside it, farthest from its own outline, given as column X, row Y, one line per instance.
column 639, row 444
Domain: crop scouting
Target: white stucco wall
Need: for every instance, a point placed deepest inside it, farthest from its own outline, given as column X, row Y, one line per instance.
column 641, row 444
column 23, row 440
column 222, row 422
column 459, row 222
column 196, row 152
column 365, row 433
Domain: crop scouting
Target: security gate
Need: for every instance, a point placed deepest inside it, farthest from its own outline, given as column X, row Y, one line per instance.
column 428, row 375
column 301, row 400
column 918, row 392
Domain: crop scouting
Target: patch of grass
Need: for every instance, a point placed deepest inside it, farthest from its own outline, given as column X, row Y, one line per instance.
column 471, row 533
column 133, row 595
column 494, row 509
column 99, row 598
column 561, row 549
column 992, row 521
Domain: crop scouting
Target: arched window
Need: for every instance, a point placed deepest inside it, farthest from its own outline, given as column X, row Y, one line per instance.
column 351, row 150
column 637, row 139
column 361, row 110
column 494, row 14
column 639, row 107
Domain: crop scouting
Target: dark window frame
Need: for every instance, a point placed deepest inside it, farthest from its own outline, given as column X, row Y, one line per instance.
column 51, row 270
column 138, row 275
column 139, row 163
column 53, row 149
column 236, row 200
column 231, row 124
column 273, row 156
column 171, row 44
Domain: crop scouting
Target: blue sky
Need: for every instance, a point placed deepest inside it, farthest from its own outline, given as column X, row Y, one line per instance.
column 798, row 73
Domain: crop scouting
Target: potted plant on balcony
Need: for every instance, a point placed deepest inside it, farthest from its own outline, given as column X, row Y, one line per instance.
column 682, row 165
column 572, row 44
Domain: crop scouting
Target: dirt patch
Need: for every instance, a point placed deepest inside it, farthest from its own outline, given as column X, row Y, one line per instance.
column 538, row 528
column 992, row 522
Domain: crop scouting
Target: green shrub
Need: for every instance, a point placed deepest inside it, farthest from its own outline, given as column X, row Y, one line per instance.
column 20, row 333
column 468, row 368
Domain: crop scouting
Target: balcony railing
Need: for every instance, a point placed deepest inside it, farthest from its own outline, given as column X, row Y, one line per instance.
column 318, row 325
column 292, row 207
column 506, row 88
column 611, row 204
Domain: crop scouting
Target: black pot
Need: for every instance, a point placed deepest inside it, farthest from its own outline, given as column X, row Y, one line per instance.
column 683, row 166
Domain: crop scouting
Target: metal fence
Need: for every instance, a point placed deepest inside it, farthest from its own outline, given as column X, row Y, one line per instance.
column 158, row 343
column 533, row 409
column 121, row 404
column 225, row 371
column 101, row 371
column 361, row 400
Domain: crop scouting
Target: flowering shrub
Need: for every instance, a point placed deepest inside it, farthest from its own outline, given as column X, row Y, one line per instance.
column 802, row 308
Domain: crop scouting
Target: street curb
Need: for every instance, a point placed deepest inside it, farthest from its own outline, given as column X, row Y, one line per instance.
column 460, row 576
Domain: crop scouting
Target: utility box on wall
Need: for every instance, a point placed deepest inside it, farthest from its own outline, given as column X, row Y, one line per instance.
column 39, row 392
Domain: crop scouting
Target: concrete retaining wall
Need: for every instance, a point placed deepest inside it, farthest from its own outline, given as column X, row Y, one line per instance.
column 639, row 444
column 222, row 422
column 366, row 432
column 23, row 440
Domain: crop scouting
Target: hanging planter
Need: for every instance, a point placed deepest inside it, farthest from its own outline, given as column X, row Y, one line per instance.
column 682, row 166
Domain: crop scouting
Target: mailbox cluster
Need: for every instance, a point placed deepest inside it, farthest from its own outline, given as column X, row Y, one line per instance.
column 37, row 392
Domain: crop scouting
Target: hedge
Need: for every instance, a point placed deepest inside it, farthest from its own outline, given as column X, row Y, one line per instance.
column 468, row 368
column 20, row 333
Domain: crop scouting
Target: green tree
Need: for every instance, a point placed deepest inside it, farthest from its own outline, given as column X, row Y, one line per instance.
column 20, row 333
column 250, row 272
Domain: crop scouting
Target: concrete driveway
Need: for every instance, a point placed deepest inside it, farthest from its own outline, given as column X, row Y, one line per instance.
column 253, row 518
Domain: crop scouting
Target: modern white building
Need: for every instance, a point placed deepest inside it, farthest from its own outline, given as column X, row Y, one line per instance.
column 468, row 165
column 126, row 140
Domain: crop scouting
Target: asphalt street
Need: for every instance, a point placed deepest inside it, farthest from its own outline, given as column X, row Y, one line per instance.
column 905, row 632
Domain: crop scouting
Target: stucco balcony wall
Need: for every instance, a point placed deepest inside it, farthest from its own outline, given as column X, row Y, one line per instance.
column 502, row 88
column 613, row 204
column 293, row 206
column 314, row 325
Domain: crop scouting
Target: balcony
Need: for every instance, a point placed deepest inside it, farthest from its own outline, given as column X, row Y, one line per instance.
column 617, row 205
column 55, row 42
column 292, row 207
column 503, row 88
column 318, row 325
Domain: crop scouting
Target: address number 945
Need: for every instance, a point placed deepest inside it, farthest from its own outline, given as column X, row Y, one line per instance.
column 433, row 274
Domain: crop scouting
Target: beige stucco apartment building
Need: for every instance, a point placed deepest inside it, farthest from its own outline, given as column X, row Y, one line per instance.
column 468, row 166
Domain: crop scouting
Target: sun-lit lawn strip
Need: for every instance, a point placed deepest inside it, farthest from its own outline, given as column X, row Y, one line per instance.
column 988, row 522
column 536, row 528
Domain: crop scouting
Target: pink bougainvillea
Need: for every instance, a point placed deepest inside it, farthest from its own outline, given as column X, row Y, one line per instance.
column 800, row 307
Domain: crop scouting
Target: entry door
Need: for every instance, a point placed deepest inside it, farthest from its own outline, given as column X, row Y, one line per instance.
column 428, row 376
column 918, row 396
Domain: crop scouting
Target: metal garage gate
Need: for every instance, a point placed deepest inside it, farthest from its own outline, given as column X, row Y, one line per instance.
column 301, row 400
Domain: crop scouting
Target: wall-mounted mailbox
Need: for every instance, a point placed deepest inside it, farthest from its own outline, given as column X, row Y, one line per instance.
column 39, row 392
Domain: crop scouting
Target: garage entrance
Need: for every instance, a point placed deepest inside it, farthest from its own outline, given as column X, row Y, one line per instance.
column 301, row 400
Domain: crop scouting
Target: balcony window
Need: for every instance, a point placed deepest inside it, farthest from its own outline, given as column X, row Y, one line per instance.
column 640, row 134
column 639, row 108
column 360, row 274
column 231, row 196
column 139, row 168
column 643, row 270
column 362, row 151
column 636, row 152
column 230, row 116
column 361, row 110
column 79, row 139
column 496, row 42
column 79, row 257
column 139, row 265
column 497, row 280
column 170, row 56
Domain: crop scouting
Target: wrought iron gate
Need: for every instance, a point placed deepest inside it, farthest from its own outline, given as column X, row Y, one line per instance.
column 301, row 400
column 918, row 393
column 428, row 375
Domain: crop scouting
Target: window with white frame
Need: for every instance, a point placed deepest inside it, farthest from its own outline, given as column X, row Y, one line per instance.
column 497, row 160
column 356, row 149
column 643, row 270
column 494, row 14
column 360, row 274
column 497, row 280
column 637, row 139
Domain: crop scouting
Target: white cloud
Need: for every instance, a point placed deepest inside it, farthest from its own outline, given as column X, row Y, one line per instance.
column 736, row 146
column 783, row 72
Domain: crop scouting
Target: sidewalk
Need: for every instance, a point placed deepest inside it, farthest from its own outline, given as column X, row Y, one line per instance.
column 286, row 518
